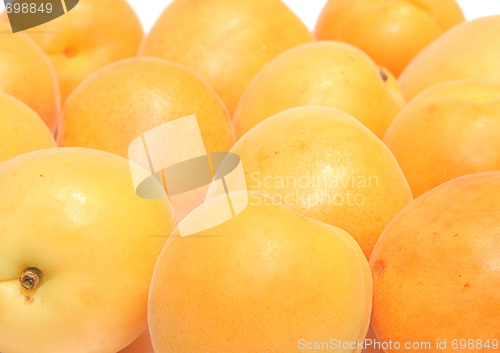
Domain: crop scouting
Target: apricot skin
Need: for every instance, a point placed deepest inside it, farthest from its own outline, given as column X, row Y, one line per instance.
column 470, row 50
column 27, row 74
column 123, row 100
column 327, row 73
column 93, row 34
column 226, row 42
column 21, row 129
column 314, row 160
column 391, row 32
column 436, row 267
column 258, row 283
column 447, row 131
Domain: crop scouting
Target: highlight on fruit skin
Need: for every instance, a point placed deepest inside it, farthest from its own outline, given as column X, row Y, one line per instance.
column 325, row 164
column 226, row 42
column 391, row 32
column 445, row 247
column 21, row 129
column 88, row 38
column 470, row 50
column 258, row 283
column 326, row 73
column 449, row 130
column 78, row 252
column 28, row 75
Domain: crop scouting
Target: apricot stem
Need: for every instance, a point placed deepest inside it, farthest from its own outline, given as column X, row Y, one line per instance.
column 31, row 278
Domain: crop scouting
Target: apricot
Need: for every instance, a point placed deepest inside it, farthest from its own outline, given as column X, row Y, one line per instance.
column 21, row 129
column 265, row 281
column 125, row 99
column 78, row 252
column 436, row 269
column 325, row 164
column 470, row 50
column 331, row 74
column 449, row 130
column 27, row 74
column 226, row 42
column 391, row 32
column 93, row 34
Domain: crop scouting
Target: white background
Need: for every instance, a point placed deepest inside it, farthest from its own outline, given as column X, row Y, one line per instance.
column 308, row 10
